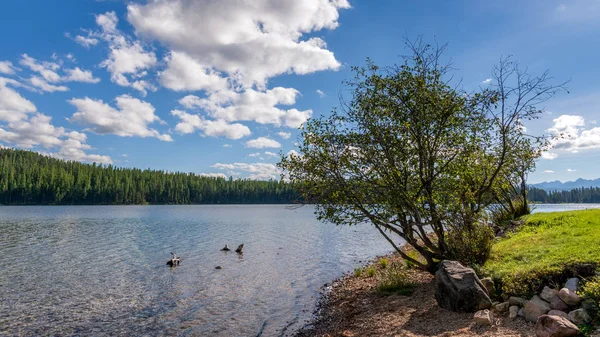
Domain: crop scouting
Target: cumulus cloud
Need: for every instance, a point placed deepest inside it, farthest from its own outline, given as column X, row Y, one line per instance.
column 262, row 142
column 251, row 40
column 216, row 128
column 213, row 175
column 255, row 154
column 49, row 74
column 571, row 135
column 130, row 118
column 271, row 154
column 13, row 106
column 261, row 171
column 78, row 75
column 86, row 41
column 184, row 73
column 6, row 67
column 251, row 105
column 284, row 135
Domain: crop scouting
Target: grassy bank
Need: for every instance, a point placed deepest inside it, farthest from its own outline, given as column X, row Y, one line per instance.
column 547, row 249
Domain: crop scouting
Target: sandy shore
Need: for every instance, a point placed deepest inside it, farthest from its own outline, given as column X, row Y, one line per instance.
column 352, row 307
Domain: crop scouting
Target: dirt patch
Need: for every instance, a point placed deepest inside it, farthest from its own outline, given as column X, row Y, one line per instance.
column 353, row 308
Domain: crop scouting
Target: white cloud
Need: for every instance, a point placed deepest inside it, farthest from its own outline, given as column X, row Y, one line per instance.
column 548, row 171
column 129, row 119
column 6, row 67
column 40, row 83
column 127, row 59
column 216, row 128
column 487, row 81
column 13, row 106
column 250, row 40
column 226, row 145
column 293, row 153
column 320, row 93
column 572, row 136
column 284, row 135
column 549, row 155
column 38, row 131
column 46, row 69
column 86, row 41
column 571, row 170
column 263, row 142
column 213, row 175
column 183, row 73
column 78, row 75
column 255, row 154
column 261, row 171
column 271, row 154
column 251, row 105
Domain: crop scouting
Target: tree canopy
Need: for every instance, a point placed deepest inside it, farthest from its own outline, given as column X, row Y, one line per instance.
column 415, row 155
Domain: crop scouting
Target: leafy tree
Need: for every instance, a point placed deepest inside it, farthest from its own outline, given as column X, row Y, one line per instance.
column 417, row 157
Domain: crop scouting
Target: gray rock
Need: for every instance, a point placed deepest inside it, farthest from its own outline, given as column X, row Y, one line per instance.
column 555, row 326
column 513, row 312
column 569, row 297
column 458, row 289
column 558, row 313
column 557, row 304
column 517, row 301
column 520, row 313
column 489, row 285
column 484, row 317
column 548, row 293
column 502, row 307
column 572, row 284
column 579, row 316
column 535, row 308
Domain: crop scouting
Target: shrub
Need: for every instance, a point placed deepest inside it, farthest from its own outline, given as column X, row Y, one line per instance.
column 358, row 272
column 370, row 271
column 395, row 280
column 383, row 262
column 590, row 292
column 471, row 246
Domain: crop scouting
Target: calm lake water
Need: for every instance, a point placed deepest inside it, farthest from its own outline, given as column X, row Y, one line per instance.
column 100, row 270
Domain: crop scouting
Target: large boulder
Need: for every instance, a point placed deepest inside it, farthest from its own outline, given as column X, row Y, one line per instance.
column 548, row 293
column 458, row 289
column 555, row 326
column 558, row 313
column 569, row 297
column 557, row 304
column 579, row 316
column 572, row 284
column 535, row 308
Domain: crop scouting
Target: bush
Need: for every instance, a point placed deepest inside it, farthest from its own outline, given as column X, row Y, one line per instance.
column 501, row 216
column 591, row 289
column 370, row 271
column 358, row 272
column 395, row 280
column 471, row 246
column 383, row 262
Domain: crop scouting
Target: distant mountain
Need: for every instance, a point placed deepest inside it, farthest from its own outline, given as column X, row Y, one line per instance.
column 567, row 186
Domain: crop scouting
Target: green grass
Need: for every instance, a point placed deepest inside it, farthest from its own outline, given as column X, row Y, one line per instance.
column 383, row 262
column 370, row 271
column 395, row 280
column 358, row 272
column 547, row 249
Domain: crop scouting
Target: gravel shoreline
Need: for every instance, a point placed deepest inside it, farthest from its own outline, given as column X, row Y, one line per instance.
column 352, row 307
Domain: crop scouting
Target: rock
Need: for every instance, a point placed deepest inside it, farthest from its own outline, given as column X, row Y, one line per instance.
column 557, row 304
column 555, row 326
column 458, row 289
column 517, row 301
column 513, row 311
column 535, row 308
column 569, row 297
column 218, row 267
column 484, row 317
column 520, row 313
column 558, row 313
column 572, row 284
column 579, row 316
column 502, row 307
column 240, row 249
column 548, row 293
column 489, row 285
column 225, row 249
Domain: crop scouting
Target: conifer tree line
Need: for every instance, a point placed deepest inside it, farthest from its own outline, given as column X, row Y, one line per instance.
column 28, row 178
column 576, row 195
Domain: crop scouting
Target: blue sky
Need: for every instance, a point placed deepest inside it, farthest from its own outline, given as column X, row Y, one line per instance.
column 221, row 86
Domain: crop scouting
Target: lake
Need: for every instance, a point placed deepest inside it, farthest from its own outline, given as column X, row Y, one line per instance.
column 100, row 270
